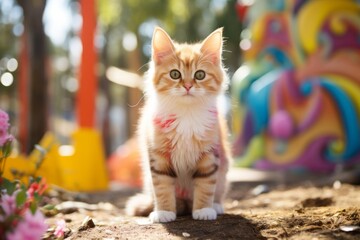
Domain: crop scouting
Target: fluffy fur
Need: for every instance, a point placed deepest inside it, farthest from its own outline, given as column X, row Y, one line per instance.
column 182, row 131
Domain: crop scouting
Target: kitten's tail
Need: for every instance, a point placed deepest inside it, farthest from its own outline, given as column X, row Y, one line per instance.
column 139, row 205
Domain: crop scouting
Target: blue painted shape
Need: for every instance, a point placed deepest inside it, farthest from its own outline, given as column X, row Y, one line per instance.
column 281, row 62
column 258, row 99
column 256, row 72
column 279, row 55
column 307, row 87
column 349, row 119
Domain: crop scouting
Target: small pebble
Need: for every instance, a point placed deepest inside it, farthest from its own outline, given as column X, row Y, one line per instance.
column 86, row 224
column 260, row 189
column 337, row 184
column 67, row 232
column 235, row 203
column 143, row 221
column 185, row 234
column 349, row 228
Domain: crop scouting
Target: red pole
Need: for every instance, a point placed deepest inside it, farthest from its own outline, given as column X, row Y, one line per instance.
column 23, row 89
column 87, row 75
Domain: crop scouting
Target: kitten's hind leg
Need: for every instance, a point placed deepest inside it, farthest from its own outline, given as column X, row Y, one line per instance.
column 139, row 205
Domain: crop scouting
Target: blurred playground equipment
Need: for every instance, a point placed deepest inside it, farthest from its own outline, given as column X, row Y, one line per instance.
column 80, row 166
column 297, row 95
column 77, row 167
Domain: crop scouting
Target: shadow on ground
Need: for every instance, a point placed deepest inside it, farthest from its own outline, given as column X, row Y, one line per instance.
column 227, row 226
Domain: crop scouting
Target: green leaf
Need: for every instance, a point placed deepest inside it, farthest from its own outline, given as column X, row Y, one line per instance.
column 21, row 198
column 8, row 185
column 49, row 207
column 6, row 149
column 23, row 187
column 37, row 197
column 49, row 210
column 33, row 207
column 38, row 179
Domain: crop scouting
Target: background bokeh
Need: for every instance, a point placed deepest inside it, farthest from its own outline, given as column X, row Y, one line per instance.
column 40, row 73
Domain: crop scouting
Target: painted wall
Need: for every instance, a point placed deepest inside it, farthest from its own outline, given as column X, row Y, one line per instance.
column 297, row 95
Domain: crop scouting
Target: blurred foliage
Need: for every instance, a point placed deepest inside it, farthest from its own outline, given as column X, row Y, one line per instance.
column 184, row 20
column 10, row 16
column 109, row 11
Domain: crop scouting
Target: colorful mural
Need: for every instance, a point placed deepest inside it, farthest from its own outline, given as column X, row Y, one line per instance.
column 298, row 92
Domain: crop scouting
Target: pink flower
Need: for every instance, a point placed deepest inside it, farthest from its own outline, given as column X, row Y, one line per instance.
column 8, row 204
column 60, row 229
column 4, row 119
column 5, row 138
column 4, row 125
column 32, row 227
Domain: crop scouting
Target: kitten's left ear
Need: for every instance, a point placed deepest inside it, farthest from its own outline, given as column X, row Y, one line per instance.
column 212, row 45
column 162, row 45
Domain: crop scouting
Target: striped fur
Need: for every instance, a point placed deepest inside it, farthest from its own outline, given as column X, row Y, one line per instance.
column 182, row 132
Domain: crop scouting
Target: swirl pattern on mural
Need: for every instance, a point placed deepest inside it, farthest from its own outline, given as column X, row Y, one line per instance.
column 298, row 93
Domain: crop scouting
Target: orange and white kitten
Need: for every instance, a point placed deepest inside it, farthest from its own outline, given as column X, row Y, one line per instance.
column 182, row 132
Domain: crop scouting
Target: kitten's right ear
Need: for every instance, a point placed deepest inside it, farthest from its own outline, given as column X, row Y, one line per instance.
column 212, row 45
column 162, row 45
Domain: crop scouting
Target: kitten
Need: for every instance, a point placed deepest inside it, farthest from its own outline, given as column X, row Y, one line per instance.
column 182, row 133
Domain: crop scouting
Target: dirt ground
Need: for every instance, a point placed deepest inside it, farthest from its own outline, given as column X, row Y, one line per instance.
column 253, row 211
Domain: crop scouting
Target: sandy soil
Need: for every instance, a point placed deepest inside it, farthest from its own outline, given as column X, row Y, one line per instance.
column 301, row 211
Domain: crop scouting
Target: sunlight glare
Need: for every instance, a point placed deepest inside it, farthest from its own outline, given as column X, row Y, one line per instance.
column 7, row 79
column 129, row 41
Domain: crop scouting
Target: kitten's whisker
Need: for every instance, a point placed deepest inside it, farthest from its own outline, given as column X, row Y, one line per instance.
column 146, row 64
column 136, row 104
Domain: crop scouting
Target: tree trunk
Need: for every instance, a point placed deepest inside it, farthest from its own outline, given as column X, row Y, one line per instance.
column 105, row 88
column 38, row 79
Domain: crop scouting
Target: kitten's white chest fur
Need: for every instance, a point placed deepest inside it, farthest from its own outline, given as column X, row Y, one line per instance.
column 187, row 127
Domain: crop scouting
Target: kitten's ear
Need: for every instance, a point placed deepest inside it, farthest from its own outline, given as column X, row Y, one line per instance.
column 162, row 45
column 212, row 46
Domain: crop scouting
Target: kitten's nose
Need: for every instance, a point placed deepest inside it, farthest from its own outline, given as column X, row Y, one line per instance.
column 187, row 86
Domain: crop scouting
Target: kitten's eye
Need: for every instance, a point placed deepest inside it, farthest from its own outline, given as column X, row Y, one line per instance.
column 175, row 74
column 199, row 75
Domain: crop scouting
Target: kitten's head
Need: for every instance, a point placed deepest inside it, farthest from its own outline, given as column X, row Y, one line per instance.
column 187, row 72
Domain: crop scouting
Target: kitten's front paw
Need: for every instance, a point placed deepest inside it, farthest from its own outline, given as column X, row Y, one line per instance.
column 204, row 214
column 162, row 216
column 218, row 208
